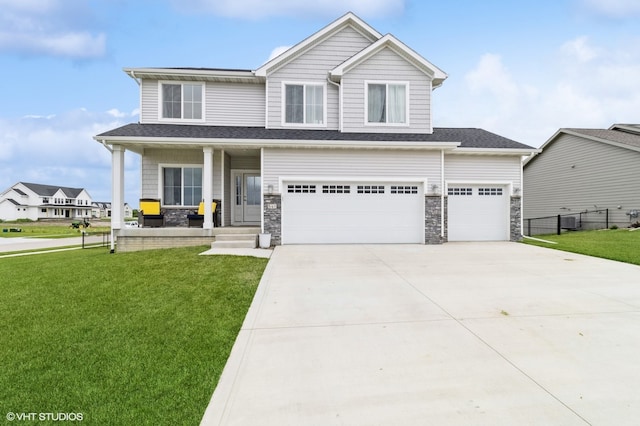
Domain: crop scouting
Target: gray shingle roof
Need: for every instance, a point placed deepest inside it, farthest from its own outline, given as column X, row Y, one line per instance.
column 50, row 190
column 468, row 137
column 618, row 136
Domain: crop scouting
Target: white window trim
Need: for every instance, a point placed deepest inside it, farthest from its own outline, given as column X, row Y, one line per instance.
column 161, row 183
column 283, row 181
column 387, row 83
column 283, row 96
column 182, row 120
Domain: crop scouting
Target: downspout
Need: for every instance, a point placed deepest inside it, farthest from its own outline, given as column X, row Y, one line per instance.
column 339, row 101
column 106, row 146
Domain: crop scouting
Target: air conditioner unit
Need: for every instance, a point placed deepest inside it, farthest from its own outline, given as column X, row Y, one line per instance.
column 568, row 222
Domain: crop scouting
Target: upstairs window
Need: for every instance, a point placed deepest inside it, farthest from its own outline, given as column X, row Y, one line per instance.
column 182, row 101
column 304, row 103
column 387, row 103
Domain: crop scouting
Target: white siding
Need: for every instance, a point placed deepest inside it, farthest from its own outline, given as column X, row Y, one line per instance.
column 149, row 102
column 313, row 66
column 226, row 104
column 482, row 168
column 386, row 66
column 235, row 104
column 575, row 174
column 349, row 163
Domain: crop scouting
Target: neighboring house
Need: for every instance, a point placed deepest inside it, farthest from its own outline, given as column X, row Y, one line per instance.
column 330, row 142
column 35, row 201
column 586, row 169
column 102, row 209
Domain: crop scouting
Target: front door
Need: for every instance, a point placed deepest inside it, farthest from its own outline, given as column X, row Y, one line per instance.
column 247, row 190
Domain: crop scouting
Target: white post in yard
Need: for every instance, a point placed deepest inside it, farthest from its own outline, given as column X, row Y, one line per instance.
column 207, row 187
column 117, row 191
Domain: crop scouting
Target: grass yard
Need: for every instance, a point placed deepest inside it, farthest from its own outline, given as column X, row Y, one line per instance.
column 619, row 244
column 126, row 339
column 50, row 229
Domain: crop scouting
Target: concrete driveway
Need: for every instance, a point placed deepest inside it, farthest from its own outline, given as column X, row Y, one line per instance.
column 458, row 334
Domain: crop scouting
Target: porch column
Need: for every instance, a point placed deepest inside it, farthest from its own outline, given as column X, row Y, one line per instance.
column 207, row 187
column 117, row 187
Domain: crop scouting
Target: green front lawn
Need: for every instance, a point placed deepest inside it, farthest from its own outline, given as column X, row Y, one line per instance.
column 125, row 339
column 619, row 244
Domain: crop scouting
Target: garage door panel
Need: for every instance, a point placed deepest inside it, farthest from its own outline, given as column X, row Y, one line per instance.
column 478, row 213
column 366, row 213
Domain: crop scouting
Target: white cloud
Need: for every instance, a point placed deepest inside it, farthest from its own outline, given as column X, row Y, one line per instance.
column 278, row 51
column 60, row 150
column 48, row 27
column 256, row 9
column 595, row 87
column 579, row 49
column 614, row 8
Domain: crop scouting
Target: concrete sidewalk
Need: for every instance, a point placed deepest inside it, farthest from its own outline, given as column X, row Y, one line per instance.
column 458, row 334
column 26, row 243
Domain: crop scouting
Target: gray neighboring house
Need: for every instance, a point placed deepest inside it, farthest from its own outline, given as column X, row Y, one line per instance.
column 586, row 169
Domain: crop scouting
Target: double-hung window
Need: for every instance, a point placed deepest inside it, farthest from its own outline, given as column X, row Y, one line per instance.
column 182, row 101
column 181, row 186
column 304, row 103
column 387, row 103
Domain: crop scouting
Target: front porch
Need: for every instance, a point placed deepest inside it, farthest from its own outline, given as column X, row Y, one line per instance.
column 137, row 239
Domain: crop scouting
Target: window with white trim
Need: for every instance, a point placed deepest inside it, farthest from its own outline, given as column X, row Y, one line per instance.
column 490, row 191
column 336, row 189
column 387, row 103
column 301, row 189
column 303, row 103
column 370, row 189
column 181, row 186
column 182, row 101
column 404, row 189
column 459, row 191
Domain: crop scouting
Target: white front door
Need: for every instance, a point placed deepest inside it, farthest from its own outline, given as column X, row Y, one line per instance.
column 247, row 192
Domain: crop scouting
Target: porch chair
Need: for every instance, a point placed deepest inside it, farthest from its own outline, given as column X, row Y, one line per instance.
column 150, row 214
column 197, row 219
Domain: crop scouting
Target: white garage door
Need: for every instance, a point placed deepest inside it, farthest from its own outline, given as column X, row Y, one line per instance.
column 352, row 212
column 478, row 213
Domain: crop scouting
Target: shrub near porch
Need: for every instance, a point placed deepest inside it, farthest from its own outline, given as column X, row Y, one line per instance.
column 133, row 338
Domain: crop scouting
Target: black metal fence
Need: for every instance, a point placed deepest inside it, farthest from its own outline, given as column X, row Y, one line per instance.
column 582, row 221
column 103, row 241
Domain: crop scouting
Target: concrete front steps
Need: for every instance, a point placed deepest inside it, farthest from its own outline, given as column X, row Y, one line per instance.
column 239, row 238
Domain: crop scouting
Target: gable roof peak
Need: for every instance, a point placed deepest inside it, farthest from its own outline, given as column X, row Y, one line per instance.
column 348, row 19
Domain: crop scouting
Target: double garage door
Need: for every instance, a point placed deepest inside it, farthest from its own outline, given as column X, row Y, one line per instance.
column 352, row 212
column 388, row 212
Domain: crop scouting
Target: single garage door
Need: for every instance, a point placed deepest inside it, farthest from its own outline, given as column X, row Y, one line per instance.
column 352, row 213
column 478, row 213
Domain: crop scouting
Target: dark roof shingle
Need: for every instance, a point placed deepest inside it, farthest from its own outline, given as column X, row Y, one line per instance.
column 468, row 137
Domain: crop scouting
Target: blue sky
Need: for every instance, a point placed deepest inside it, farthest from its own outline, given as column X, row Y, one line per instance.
column 520, row 69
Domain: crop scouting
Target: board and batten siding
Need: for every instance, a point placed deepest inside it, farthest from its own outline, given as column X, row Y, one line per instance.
column 575, row 174
column 319, row 163
column 313, row 67
column 226, row 104
column 483, row 168
column 386, row 66
column 152, row 158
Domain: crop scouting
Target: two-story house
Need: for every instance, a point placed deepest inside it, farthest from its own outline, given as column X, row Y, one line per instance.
column 330, row 142
column 35, row 201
